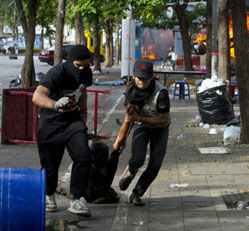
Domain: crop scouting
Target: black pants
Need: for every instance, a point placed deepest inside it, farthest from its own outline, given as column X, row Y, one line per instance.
column 52, row 140
column 158, row 140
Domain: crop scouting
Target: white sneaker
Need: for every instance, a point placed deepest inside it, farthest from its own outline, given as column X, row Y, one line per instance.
column 50, row 203
column 79, row 207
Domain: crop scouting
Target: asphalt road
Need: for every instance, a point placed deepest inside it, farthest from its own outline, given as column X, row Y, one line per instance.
column 10, row 68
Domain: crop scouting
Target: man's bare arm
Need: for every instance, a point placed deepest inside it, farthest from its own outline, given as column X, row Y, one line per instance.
column 161, row 119
column 83, row 106
column 41, row 98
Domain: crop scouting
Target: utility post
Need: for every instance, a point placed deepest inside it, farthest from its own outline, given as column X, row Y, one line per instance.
column 214, row 53
column 128, row 45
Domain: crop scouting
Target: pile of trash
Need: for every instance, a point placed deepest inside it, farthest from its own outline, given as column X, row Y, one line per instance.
column 231, row 130
column 210, row 83
column 213, row 103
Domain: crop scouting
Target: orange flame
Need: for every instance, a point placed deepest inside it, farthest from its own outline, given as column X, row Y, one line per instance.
column 199, row 38
column 149, row 54
column 232, row 54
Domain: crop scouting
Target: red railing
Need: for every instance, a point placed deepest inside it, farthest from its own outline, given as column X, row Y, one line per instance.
column 35, row 118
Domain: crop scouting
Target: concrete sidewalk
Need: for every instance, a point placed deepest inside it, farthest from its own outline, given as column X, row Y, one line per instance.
column 210, row 180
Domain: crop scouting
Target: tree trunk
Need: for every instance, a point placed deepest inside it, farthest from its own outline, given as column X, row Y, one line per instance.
column 15, row 35
column 79, row 28
column 209, row 38
column 16, row 22
column 96, row 44
column 42, row 38
column 59, row 31
column 1, row 29
column 117, row 44
column 50, row 41
column 28, row 70
column 223, row 41
column 241, row 48
column 111, row 41
column 108, row 62
column 184, row 29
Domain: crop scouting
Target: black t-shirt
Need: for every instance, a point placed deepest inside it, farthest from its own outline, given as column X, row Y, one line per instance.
column 59, row 82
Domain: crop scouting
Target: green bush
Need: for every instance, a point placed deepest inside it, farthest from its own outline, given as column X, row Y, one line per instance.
column 37, row 49
column 23, row 50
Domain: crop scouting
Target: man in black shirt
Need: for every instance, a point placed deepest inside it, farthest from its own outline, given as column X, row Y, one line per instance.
column 62, row 98
column 151, row 105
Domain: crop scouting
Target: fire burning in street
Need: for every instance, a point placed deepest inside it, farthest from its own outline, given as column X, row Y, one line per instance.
column 148, row 53
column 155, row 43
column 199, row 38
column 202, row 37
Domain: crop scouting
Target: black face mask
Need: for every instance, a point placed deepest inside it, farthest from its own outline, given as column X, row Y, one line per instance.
column 80, row 75
column 134, row 95
column 79, row 52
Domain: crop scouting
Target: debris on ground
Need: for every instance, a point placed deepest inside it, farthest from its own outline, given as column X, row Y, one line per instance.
column 214, row 150
column 178, row 185
column 181, row 137
column 231, row 135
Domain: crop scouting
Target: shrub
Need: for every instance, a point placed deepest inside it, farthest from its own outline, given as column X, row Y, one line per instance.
column 23, row 50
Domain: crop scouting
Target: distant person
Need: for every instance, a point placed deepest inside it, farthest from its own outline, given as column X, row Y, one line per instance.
column 62, row 124
column 151, row 105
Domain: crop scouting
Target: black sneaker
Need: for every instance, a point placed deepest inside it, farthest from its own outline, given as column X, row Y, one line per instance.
column 136, row 200
column 126, row 179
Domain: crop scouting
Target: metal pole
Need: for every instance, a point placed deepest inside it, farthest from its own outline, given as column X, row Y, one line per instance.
column 95, row 113
column 129, row 50
column 214, row 53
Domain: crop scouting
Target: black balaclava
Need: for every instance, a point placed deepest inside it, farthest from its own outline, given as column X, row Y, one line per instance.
column 79, row 52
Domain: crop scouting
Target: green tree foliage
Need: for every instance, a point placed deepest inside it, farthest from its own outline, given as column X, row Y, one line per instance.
column 89, row 8
column 46, row 15
column 7, row 14
column 152, row 14
column 113, row 9
column 3, row 11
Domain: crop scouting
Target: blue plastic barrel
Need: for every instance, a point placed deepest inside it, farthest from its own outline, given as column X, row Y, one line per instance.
column 22, row 199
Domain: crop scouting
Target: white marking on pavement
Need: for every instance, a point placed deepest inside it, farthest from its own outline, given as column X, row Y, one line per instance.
column 109, row 113
column 120, row 218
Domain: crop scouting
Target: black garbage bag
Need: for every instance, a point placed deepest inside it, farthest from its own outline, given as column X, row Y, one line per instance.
column 214, row 106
